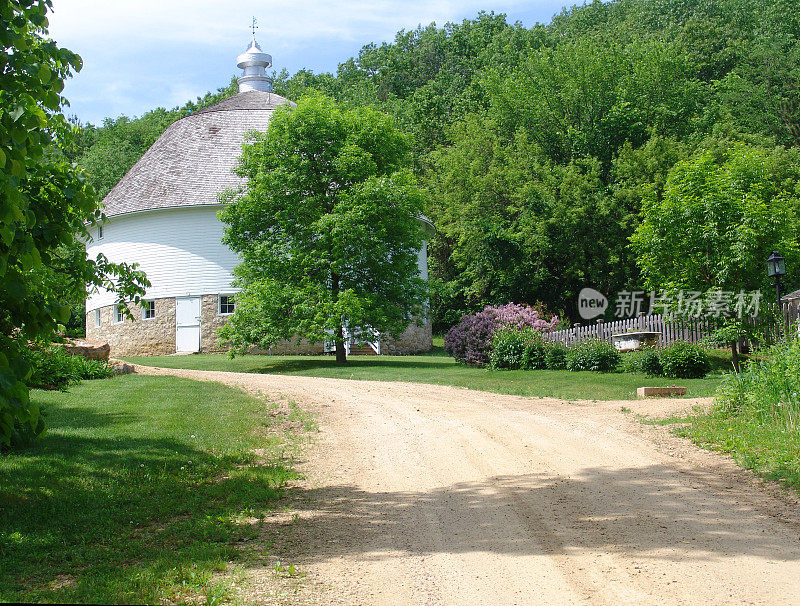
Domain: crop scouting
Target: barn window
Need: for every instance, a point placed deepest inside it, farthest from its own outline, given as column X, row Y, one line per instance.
column 119, row 314
column 99, row 232
column 148, row 310
column 97, row 318
column 226, row 304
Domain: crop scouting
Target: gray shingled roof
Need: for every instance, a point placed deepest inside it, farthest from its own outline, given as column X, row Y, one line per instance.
column 191, row 161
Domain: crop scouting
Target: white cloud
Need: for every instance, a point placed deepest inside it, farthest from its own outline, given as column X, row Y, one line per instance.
column 217, row 22
column 142, row 53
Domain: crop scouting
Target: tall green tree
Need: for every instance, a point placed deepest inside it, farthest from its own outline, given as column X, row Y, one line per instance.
column 327, row 227
column 721, row 214
column 45, row 204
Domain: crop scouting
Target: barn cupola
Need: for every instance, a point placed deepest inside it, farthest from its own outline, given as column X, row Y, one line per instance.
column 254, row 64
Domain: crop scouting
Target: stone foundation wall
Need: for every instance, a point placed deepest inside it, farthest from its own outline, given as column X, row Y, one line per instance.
column 136, row 337
column 210, row 322
column 156, row 336
column 416, row 339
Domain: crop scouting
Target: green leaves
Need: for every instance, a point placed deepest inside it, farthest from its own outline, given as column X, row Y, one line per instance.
column 722, row 211
column 44, row 205
column 327, row 228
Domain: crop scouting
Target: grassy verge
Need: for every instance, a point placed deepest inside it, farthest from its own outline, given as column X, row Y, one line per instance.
column 439, row 369
column 756, row 416
column 769, row 450
column 141, row 491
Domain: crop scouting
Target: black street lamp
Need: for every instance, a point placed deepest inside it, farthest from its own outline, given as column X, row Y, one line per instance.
column 776, row 266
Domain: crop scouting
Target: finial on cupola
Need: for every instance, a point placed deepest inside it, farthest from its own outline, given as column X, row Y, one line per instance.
column 254, row 64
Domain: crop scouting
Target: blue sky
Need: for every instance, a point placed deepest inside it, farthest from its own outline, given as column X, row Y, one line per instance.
column 142, row 54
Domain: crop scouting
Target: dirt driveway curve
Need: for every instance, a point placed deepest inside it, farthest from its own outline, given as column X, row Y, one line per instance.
column 420, row 494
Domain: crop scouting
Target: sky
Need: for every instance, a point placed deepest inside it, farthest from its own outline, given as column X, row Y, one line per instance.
column 142, row 54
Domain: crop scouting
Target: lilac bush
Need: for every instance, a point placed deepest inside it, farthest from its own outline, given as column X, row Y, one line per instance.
column 470, row 340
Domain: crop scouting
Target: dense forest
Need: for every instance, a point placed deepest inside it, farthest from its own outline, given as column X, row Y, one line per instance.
column 539, row 146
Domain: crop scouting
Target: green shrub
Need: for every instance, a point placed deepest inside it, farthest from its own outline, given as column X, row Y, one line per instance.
column 555, row 357
column 768, row 390
column 593, row 354
column 518, row 348
column 645, row 361
column 683, row 360
column 54, row 368
column 651, row 363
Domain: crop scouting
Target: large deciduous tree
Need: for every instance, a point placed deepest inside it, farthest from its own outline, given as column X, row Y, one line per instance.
column 721, row 214
column 327, row 227
column 45, row 204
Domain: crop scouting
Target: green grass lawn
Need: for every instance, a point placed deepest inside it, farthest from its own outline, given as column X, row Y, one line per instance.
column 140, row 491
column 770, row 450
column 440, row 369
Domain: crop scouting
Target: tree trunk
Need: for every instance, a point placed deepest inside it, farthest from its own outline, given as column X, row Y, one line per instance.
column 341, row 352
column 735, row 354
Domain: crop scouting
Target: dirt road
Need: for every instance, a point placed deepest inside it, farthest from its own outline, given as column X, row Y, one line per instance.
column 419, row 494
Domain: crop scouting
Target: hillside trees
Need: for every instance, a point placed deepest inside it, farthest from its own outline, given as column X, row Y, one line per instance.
column 327, row 228
column 540, row 144
column 44, row 205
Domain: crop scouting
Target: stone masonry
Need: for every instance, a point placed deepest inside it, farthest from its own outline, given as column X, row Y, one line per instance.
column 416, row 339
column 156, row 336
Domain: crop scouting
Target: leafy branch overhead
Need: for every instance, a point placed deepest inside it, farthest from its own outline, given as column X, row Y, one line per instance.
column 45, row 206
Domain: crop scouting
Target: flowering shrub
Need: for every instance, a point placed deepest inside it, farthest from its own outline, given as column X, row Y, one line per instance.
column 470, row 340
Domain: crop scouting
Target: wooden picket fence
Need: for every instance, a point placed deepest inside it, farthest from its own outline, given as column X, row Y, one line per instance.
column 672, row 330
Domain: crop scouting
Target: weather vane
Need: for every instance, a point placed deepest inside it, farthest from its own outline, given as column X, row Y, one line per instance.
column 254, row 27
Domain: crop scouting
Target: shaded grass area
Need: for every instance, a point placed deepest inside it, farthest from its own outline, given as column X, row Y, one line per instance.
column 139, row 492
column 440, row 369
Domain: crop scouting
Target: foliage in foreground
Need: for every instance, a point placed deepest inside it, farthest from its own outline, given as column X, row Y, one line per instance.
column 526, row 349
column 54, row 368
column 682, row 360
column 45, row 207
column 592, row 354
column 327, row 228
column 470, row 341
column 756, row 413
column 141, row 492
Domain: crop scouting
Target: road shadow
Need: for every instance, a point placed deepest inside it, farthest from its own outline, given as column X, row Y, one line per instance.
column 354, row 363
column 651, row 511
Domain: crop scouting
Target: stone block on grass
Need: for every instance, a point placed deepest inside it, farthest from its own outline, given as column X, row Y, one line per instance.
column 660, row 392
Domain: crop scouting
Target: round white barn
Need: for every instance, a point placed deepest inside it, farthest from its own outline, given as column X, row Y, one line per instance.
column 163, row 216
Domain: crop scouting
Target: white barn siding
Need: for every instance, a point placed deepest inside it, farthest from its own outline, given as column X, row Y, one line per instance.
column 179, row 249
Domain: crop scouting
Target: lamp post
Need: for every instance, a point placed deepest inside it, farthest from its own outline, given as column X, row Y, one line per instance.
column 776, row 266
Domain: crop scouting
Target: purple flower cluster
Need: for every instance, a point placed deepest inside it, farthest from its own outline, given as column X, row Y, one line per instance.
column 470, row 340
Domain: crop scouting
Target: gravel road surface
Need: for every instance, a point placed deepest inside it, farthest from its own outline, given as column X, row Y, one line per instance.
column 421, row 494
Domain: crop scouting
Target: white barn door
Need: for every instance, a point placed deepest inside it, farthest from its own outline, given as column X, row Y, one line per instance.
column 187, row 324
